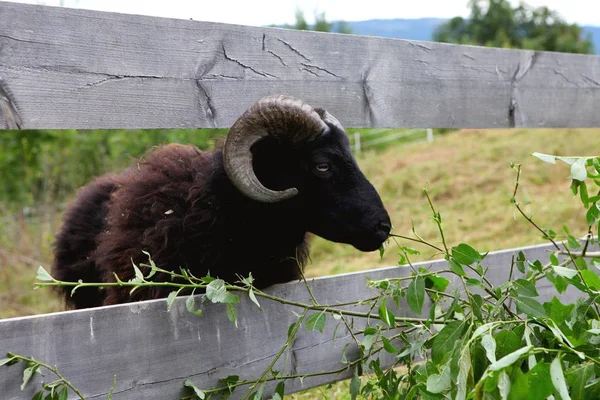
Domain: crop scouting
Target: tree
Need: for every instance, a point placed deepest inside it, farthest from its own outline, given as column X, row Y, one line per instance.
column 496, row 23
column 321, row 24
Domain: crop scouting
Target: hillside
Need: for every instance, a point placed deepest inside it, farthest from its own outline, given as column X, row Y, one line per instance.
column 423, row 28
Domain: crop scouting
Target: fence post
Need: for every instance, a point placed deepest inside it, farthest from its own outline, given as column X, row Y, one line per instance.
column 429, row 135
column 357, row 142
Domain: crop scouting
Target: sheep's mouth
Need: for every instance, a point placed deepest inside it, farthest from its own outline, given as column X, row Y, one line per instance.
column 370, row 245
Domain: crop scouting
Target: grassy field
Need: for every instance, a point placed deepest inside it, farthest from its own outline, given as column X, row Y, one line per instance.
column 469, row 179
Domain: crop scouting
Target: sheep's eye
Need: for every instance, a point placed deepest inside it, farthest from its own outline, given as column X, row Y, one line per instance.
column 322, row 167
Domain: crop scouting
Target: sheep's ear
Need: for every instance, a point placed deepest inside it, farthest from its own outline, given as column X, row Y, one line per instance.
column 328, row 118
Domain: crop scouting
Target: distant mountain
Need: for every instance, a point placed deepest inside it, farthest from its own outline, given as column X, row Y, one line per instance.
column 422, row 29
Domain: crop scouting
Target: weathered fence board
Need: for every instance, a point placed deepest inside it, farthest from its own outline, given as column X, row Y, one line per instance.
column 65, row 68
column 152, row 351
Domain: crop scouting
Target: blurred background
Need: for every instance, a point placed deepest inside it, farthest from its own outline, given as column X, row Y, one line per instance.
column 467, row 171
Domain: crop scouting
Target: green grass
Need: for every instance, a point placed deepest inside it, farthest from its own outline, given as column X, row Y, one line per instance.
column 469, row 179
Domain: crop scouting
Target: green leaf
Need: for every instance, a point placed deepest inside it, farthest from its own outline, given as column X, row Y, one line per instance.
column 559, row 282
column 28, row 373
column 381, row 250
column 519, row 386
column 525, row 288
column 506, row 342
column 578, row 171
column 591, row 279
column 9, row 361
column 415, row 295
column 171, row 298
column 280, row 389
column 38, row 396
column 386, row 315
column 43, row 275
column 191, row 306
column 530, row 307
column 539, row 378
column 152, row 265
column 64, row 394
column 521, row 262
column 558, row 379
column 291, row 329
column 572, row 241
column 545, row 157
column 503, row 385
column 583, row 194
column 138, row 273
column 439, row 383
column 465, row 254
column 557, row 311
column 217, row 293
column 566, row 272
column 253, row 297
column 578, row 377
column 456, row 267
column 443, row 343
column 438, row 283
column 230, row 382
column 510, row 359
column 593, row 214
column 232, row 313
column 489, row 345
column 260, row 393
column 368, row 341
column 464, row 366
column 554, row 259
column 388, row 346
column 316, row 322
column 354, row 385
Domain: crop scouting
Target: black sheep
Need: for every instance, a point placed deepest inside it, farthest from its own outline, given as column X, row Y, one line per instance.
column 285, row 170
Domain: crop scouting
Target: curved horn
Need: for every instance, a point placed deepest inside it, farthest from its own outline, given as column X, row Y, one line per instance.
column 286, row 119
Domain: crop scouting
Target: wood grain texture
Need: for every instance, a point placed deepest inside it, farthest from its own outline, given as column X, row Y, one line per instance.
column 71, row 68
column 153, row 351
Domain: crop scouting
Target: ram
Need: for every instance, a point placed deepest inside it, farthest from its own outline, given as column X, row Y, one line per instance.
column 285, row 170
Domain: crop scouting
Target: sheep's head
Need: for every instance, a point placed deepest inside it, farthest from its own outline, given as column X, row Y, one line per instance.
column 283, row 151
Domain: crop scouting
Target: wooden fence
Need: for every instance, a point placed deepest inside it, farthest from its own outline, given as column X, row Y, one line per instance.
column 64, row 68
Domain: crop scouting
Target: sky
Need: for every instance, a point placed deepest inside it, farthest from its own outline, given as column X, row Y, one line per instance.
column 265, row 12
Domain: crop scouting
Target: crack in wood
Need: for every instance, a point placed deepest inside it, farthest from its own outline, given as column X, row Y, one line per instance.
column 8, row 108
column 214, row 77
column 264, row 48
column 560, row 73
column 420, row 46
column 261, row 73
column 207, row 104
column 521, row 71
column 591, row 80
column 22, row 40
column 367, row 96
column 309, row 71
column 289, row 46
column 321, row 69
column 483, row 71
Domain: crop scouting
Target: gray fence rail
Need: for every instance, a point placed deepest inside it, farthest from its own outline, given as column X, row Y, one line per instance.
column 152, row 351
column 65, row 68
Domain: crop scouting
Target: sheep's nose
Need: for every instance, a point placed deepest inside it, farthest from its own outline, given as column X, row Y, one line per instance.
column 383, row 229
